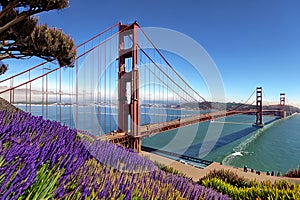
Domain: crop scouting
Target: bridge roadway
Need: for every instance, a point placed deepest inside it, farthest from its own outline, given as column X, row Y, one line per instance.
column 152, row 129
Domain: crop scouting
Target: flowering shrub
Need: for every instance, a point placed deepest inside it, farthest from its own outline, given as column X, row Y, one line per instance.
column 227, row 176
column 259, row 191
column 43, row 159
column 236, row 187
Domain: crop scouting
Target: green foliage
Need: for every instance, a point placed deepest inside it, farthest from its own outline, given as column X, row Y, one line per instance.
column 236, row 187
column 169, row 169
column 6, row 145
column 35, row 5
column 45, row 184
column 259, row 191
column 18, row 31
column 50, row 43
column 85, row 137
column 226, row 176
column 22, row 37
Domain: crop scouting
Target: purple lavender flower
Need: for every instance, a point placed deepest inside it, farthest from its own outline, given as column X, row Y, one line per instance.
column 34, row 141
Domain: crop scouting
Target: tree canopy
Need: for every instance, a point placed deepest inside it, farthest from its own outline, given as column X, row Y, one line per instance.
column 22, row 37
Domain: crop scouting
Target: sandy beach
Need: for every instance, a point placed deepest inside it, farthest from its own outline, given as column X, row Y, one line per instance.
column 197, row 173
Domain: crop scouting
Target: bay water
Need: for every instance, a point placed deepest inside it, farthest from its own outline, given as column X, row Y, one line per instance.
column 275, row 147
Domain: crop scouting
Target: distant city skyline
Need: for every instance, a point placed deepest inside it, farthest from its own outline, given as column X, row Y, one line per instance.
column 253, row 43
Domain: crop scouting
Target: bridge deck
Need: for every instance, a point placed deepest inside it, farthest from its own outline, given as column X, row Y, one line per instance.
column 152, row 129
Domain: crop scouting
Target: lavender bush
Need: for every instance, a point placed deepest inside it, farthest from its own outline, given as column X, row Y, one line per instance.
column 31, row 148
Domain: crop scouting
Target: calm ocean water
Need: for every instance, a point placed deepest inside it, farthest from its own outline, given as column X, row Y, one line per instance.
column 232, row 141
column 275, row 147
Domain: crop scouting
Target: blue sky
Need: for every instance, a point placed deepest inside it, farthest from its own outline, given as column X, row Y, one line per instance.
column 253, row 42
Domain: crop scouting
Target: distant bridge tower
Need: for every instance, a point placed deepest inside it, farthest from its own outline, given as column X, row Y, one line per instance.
column 282, row 105
column 259, row 121
column 128, row 85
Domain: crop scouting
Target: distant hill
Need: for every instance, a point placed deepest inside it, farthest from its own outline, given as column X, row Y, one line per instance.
column 234, row 106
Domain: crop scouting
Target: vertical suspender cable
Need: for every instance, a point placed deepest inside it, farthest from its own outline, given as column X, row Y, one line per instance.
column 84, row 93
column 92, row 103
column 76, row 93
column 109, row 89
column 46, row 96
column 26, row 97
column 10, row 92
column 60, row 94
column 29, row 93
column 144, row 96
column 154, row 99
column 56, row 98
column 149, row 92
column 159, row 96
column 43, row 92
column 99, row 91
column 105, row 100
column 168, row 103
column 70, row 95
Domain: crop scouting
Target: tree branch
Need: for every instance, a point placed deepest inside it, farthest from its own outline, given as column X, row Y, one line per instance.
column 18, row 19
column 7, row 8
column 5, row 56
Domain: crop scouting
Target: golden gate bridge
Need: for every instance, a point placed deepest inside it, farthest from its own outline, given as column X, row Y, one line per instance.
column 115, row 75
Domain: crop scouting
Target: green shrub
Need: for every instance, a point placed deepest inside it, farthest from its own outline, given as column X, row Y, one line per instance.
column 258, row 191
column 228, row 182
column 169, row 169
column 227, row 176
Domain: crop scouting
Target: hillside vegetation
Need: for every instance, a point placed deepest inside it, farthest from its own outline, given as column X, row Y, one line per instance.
column 237, row 187
column 41, row 159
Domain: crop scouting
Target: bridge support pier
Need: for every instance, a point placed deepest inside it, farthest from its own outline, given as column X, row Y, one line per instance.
column 136, row 144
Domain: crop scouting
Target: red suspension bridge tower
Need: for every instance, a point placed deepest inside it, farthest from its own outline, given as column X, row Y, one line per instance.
column 259, row 121
column 128, row 85
column 282, row 105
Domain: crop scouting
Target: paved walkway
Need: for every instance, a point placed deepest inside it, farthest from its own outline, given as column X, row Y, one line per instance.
column 197, row 173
